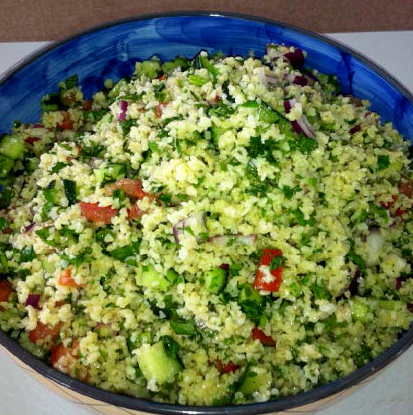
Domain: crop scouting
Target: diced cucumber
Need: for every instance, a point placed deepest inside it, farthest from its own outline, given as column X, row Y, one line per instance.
column 216, row 133
column 267, row 114
column 115, row 170
column 52, row 194
column 255, row 379
column 150, row 68
column 70, row 191
column 12, row 146
column 151, row 278
column 183, row 327
column 6, row 192
column 6, row 164
column 180, row 61
column 215, row 280
column 156, row 363
column 48, row 266
column 252, row 303
column 360, row 311
column 31, row 164
column 117, row 88
column 112, row 171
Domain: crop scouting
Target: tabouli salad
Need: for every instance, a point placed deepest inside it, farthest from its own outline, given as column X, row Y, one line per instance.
column 211, row 231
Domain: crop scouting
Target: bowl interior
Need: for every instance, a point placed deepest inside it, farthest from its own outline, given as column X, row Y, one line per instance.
column 110, row 51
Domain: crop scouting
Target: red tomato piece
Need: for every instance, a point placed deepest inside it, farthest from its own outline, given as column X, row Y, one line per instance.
column 7, row 231
column 261, row 279
column 258, row 334
column 87, row 105
column 135, row 213
column 96, row 213
column 58, row 351
column 31, row 140
column 388, row 205
column 158, row 111
column 67, row 123
column 42, row 331
column 162, row 77
column 406, row 188
column 5, row 290
column 131, row 187
column 225, row 368
column 67, row 280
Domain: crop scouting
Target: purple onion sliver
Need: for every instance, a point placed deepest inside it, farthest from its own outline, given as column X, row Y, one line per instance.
column 33, row 300
column 123, row 109
column 295, row 58
column 37, row 125
column 225, row 267
column 178, row 230
column 300, row 80
column 355, row 129
column 27, row 229
column 352, row 288
column 288, row 105
column 271, row 79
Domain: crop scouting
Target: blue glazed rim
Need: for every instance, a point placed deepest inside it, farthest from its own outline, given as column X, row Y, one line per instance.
column 290, row 402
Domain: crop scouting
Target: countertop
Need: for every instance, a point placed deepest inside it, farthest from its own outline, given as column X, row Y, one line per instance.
column 390, row 393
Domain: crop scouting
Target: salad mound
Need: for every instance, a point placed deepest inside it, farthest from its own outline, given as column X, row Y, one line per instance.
column 211, row 231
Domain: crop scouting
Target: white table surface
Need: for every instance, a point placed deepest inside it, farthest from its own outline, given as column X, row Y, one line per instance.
column 390, row 394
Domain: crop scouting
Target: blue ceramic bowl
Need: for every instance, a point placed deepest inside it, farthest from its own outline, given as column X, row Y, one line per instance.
column 109, row 51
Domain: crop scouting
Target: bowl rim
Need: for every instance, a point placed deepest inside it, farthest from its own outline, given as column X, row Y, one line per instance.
column 148, row 406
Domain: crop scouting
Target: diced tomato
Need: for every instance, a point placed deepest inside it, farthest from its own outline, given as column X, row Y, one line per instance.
column 258, row 334
column 7, row 231
column 388, row 205
column 96, row 213
column 162, row 77
column 260, row 282
column 135, row 213
column 58, row 351
column 67, row 280
column 60, row 303
column 31, row 140
column 42, row 331
column 131, row 187
column 87, row 105
column 158, row 111
column 227, row 367
column 5, row 290
column 67, row 123
column 406, row 188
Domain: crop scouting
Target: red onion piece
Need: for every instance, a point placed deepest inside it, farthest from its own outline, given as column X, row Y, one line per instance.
column 303, row 126
column 27, row 229
column 123, row 109
column 355, row 129
column 225, row 267
column 410, row 307
column 399, row 280
column 353, row 286
column 300, row 80
column 179, row 229
column 33, row 300
column 238, row 239
column 37, row 125
column 295, row 58
column 289, row 104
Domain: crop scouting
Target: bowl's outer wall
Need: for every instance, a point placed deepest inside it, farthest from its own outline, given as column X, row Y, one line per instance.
column 111, row 51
